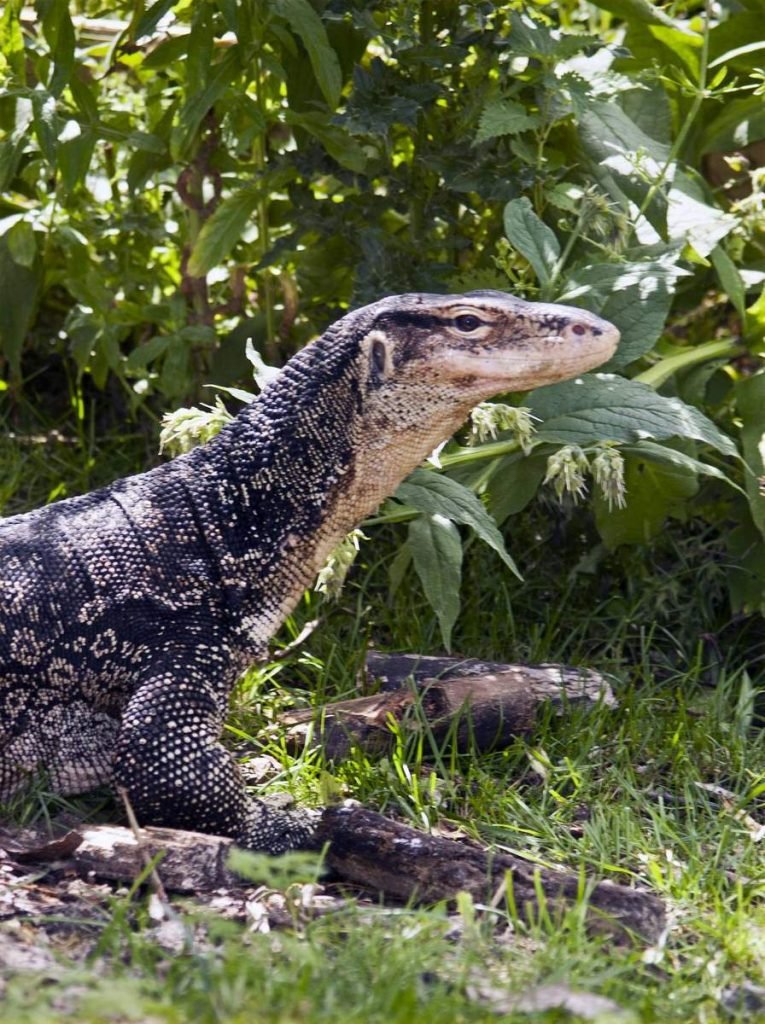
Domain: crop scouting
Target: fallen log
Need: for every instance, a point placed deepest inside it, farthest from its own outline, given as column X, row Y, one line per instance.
column 384, row 856
column 482, row 705
column 369, row 851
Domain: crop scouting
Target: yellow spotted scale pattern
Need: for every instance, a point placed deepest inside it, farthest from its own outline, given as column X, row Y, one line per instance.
column 127, row 614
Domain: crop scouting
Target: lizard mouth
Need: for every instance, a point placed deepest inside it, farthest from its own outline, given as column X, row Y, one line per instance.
column 547, row 360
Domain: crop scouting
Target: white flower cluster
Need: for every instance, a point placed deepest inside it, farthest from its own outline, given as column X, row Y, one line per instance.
column 332, row 575
column 184, row 429
column 567, row 469
column 491, row 418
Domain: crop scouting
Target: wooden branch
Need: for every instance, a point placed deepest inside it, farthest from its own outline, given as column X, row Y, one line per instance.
column 366, row 850
column 383, row 856
column 483, row 705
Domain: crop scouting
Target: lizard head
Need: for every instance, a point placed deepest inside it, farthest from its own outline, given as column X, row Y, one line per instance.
column 416, row 365
column 482, row 343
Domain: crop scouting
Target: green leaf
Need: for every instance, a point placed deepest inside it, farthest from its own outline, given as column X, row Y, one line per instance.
column 150, row 18
column 730, row 279
column 504, row 117
column 692, row 220
column 514, row 483
column 59, row 33
column 639, row 309
column 532, row 238
column 46, row 125
column 437, row 554
column 19, row 297
column 663, row 455
column 21, row 243
column 633, row 159
column 531, row 38
column 750, row 401
column 434, row 493
column 176, row 377
column 636, row 11
column 739, row 123
column 601, row 407
column 146, row 353
column 223, row 229
column 74, row 159
column 306, row 23
column 653, row 493
column 746, row 567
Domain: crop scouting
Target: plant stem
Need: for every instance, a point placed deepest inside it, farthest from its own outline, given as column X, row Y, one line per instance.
column 657, row 374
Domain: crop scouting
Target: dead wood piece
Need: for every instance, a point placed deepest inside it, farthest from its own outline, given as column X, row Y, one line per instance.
column 384, row 856
column 189, row 861
column 484, row 708
column 371, row 851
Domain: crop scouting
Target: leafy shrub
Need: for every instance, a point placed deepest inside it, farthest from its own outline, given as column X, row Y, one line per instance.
column 200, row 174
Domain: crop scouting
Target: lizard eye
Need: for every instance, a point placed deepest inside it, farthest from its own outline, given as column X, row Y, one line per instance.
column 467, row 322
column 377, row 358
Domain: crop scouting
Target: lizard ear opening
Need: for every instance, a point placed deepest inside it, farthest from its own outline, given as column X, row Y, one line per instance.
column 378, row 358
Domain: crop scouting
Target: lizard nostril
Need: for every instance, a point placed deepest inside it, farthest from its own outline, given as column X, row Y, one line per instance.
column 579, row 329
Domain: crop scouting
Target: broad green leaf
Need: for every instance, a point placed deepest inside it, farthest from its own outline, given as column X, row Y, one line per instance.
column 640, row 312
column 633, row 159
column 19, row 297
column 649, row 108
column 46, row 124
column 59, row 33
column 74, row 159
column 739, row 123
column 531, row 38
column 515, row 482
column 637, row 11
column 730, row 279
column 746, row 567
column 436, row 548
column 694, row 221
column 223, row 229
column 684, row 45
column 21, row 243
column 147, row 142
column 176, row 375
column 151, row 17
column 653, row 493
column 601, row 407
column 306, row 23
column 504, row 117
column 146, row 353
column 594, row 283
column 750, row 401
column 435, row 493
column 531, row 237
column 635, row 297
column 663, row 455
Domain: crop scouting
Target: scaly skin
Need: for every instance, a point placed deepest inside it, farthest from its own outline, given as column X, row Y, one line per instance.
column 127, row 615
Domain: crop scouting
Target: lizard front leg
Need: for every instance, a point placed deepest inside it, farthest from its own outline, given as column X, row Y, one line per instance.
column 177, row 774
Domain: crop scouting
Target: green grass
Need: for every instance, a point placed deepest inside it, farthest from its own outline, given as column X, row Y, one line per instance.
column 615, row 794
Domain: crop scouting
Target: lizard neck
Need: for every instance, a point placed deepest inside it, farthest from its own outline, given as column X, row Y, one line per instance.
column 281, row 486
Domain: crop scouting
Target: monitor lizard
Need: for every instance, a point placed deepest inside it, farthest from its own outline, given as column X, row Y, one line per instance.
column 127, row 614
